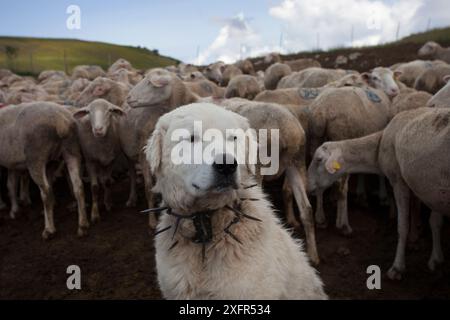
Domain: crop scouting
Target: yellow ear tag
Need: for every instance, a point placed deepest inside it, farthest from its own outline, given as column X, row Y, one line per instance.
column 336, row 165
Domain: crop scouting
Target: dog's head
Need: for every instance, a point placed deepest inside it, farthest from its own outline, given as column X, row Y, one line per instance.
column 200, row 155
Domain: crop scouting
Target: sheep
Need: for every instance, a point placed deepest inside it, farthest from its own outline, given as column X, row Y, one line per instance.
column 87, row 72
column 311, row 78
column 98, row 133
column 350, row 112
column 413, row 153
column 243, row 86
column 194, row 76
column 271, row 58
column 5, row 73
column 27, row 92
column 2, row 98
column 228, row 73
column 302, row 64
column 52, row 75
column 292, row 142
column 435, row 51
column 110, row 90
column 409, row 99
column 125, row 76
column 205, row 88
column 442, row 98
column 412, row 70
column 274, row 74
column 213, row 72
column 431, row 80
column 305, row 96
column 42, row 132
column 159, row 92
column 76, row 88
column 246, row 66
column 120, row 64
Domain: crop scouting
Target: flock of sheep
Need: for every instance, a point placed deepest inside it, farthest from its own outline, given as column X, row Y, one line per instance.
column 392, row 121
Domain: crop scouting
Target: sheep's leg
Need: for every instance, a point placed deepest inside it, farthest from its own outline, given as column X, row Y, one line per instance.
column 289, row 204
column 106, row 183
column 132, row 198
column 12, row 190
column 25, row 189
column 402, row 194
column 2, row 204
column 414, row 209
column 382, row 192
column 95, row 189
column 74, row 168
column 437, row 257
column 148, row 184
column 38, row 173
column 342, row 209
column 297, row 181
column 321, row 221
column 361, row 192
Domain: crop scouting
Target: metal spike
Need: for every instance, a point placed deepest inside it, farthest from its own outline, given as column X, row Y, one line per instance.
column 250, row 186
column 152, row 210
column 203, row 252
column 249, row 199
column 243, row 214
column 162, row 230
column 173, row 245
column 177, row 223
column 232, row 236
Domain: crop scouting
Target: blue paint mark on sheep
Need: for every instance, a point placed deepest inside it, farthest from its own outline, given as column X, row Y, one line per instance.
column 309, row 94
column 373, row 96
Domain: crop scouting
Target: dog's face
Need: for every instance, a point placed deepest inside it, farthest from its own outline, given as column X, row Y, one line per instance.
column 198, row 154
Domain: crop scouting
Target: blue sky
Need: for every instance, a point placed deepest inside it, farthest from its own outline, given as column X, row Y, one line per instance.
column 229, row 29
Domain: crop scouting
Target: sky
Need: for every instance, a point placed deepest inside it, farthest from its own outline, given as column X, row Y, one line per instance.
column 202, row 31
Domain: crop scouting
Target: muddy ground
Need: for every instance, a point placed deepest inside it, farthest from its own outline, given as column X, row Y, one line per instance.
column 117, row 258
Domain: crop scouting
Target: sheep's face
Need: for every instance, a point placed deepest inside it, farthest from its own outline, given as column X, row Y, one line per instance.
column 272, row 58
column 214, row 72
column 155, row 89
column 326, row 167
column 100, row 114
column 194, row 76
column 383, row 79
column 98, row 88
column 428, row 49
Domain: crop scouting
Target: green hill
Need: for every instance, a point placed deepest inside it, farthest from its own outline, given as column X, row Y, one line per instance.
column 32, row 55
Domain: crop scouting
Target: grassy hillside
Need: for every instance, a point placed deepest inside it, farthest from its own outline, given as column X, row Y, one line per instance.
column 32, row 55
column 372, row 56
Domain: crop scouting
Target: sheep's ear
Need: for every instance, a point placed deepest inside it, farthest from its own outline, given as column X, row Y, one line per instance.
column 116, row 110
column 98, row 91
column 160, row 81
column 334, row 162
column 397, row 74
column 446, row 78
column 81, row 113
column 366, row 77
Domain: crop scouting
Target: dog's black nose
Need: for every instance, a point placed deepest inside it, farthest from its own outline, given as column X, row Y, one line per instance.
column 225, row 164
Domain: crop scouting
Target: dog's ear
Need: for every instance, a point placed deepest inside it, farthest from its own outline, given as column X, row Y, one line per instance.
column 153, row 149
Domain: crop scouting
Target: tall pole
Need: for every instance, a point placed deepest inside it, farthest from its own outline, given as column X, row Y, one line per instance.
column 65, row 63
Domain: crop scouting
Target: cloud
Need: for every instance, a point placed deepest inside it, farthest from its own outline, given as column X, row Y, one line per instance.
column 326, row 24
column 236, row 40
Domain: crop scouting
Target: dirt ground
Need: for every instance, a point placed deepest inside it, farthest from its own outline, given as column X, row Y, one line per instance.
column 117, row 258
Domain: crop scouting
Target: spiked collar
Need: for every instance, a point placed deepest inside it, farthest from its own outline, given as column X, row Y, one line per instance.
column 202, row 222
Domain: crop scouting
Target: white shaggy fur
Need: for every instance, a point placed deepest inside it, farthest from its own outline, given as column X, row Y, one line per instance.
column 269, row 264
